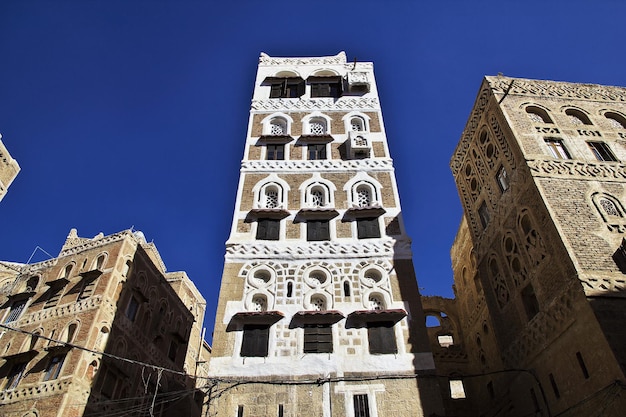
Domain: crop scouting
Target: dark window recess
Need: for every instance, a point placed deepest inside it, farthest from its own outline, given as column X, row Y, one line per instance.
column 620, row 257
column 346, row 289
column 15, row 375
column 86, row 288
column 483, row 213
column 367, row 228
column 557, row 149
column 133, row 307
column 289, row 289
column 555, row 388
column 16, row 311
column 317, row 151
column 275, row 152
column 533, row 396
column 503, row 179
column 317, row 230
column 490, row 390
column 287, row 88
column 268, row 229
column 381, row 337
column 255, row 339
column 54, row 367
column 326, row 89
column 581, row 363
column 173, row 351
column 240, row 411
column 318, row 338
column 531, row 305
column 280, row 410
column 602, row 151
column 361, row 406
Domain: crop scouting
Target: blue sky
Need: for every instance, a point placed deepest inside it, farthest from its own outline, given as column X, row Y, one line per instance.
column 134, row 113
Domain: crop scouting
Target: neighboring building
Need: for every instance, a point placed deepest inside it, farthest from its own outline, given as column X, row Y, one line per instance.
column 9, row 168
column 319, row 312
column 539, row 260
column 108, row 294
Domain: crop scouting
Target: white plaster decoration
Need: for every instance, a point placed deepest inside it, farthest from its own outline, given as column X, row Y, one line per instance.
column 371, row 164
column 261, row 277
column 340, row 58
column 385, row 247
column 319, row 103
column 317, row 192
column 271, row 192
column 360, row 185
column 372, row 276
column 356, row 121
column 316, row 300
column 317, row 277
column 38, row 391
column 350, row 391
column 277, row 124
column 376, row 299
column 62, row 310
column 258, row 300
column 316, row 123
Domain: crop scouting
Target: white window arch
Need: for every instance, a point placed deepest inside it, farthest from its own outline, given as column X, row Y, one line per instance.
column 316, row 124
column 277, row 124
column 317, row 193
column 271, row 193
column 363, row 191
column 317, row 301
column 356, row 122
column 259, row 300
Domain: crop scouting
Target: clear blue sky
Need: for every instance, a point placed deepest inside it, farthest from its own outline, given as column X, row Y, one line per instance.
column 134, row 113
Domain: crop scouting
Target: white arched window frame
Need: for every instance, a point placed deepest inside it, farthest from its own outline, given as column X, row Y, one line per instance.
column 271, row 193
column 318, row 194
column 353, row 120
column 316, row 124
column 357, row 187
column 259, row 300
column 272, row 123
column 318, row 301
column 617, row 120
column 376, row 299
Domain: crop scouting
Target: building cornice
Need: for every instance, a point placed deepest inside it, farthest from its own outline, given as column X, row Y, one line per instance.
column 328, row 104
column 369, row 165
column 339, row 59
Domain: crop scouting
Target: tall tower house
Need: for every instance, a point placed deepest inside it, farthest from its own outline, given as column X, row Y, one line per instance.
column 539, row 261
column 319, row 312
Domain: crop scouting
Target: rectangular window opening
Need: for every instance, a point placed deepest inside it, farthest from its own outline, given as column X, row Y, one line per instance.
column 255, row 340
column 555, row 388
column 318, row 338
column 368, row 228
column 133, row 307
column 483, row 213
column 54, row 367
column 503, row 179
column 557, row 149
column 381, row 337
column 581, row 363
column 268, row 229
column 529, row 299
column 457, row 390
column 280, row 410
column 317, row 230
column 275, row 152
column 361, row 406
column 240, row 411
column 601, row 151
column 316, row 151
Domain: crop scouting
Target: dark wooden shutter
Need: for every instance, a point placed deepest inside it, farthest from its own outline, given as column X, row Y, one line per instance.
column 255, row 339
column 276, row 90
column 361, row 406
column 318, row 338
column 368, row 228
column 381, row 337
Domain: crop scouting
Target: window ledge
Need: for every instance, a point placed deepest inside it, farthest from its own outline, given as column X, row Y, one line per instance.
column 362, row 317
column 268, row 213
column 366, row 211
column 258, row 317
column 317, row 213
column 275, row 139
column 315, row 138
column 316, row 317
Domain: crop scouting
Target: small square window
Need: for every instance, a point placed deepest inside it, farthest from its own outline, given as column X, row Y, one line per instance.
column 503, row 179
column 318, row 338
column 601, row 151
column 368, row 228
column 316, row 151
column 329, row 88
column 457, row 390
column 268, row 229
column 275, row 152
column 557, row 149
column 317, row 230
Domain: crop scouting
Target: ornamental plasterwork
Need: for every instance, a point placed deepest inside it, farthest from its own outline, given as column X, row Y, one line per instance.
column 598, row 286
column 387, row 248
column 92, row 243
column 580, row 169
column 42, row 389
column 316, row 165
column 344, row 103
column 526, row 87
column 338, row 59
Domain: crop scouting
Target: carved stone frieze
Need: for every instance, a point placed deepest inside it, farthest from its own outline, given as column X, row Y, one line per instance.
column 316, row 165
column 54, row 387
column 257, row 250
column 470, row 129
column 526, row 87
column 595, row 286
column 542, row 329
column 344, row 103
column 580, row 169
column 62, row 310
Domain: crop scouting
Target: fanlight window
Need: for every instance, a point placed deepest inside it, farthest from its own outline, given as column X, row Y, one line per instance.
column 609, row 207
column 376, row 302
column 318, row 303
column 363, row 196
column 538, row 115
column 616, row 120
column 317, row 126
column 271, row 197
column 317, row 197
column 577, row 117
column 278, row 127
column 372, row 276
column 357, row 124
column 259, row 303
column 262, row 277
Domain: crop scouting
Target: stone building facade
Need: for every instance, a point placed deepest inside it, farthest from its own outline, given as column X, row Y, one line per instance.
column 540, row 257
column 319, row 312
column 81, row 332
column 9, row 168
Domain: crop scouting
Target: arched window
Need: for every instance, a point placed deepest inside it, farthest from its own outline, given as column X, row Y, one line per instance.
column 376, row 302
column 609, row 208
column 289, row 289
column 318, row 198
column 271, row 197
column 100, row 262
column 357, row 124
column 346, row 289
column 577, row 117
column 317, row 126
column 538, row 115
column 363, row 196
column 67, row 271
column 278, row 127
column 318, row 303
column 259, row 303
column 271, row 193
column 616, row 120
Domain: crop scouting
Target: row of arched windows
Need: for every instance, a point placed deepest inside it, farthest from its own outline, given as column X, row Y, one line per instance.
column 313, row 124
column 576, row 116
column 273, row 194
